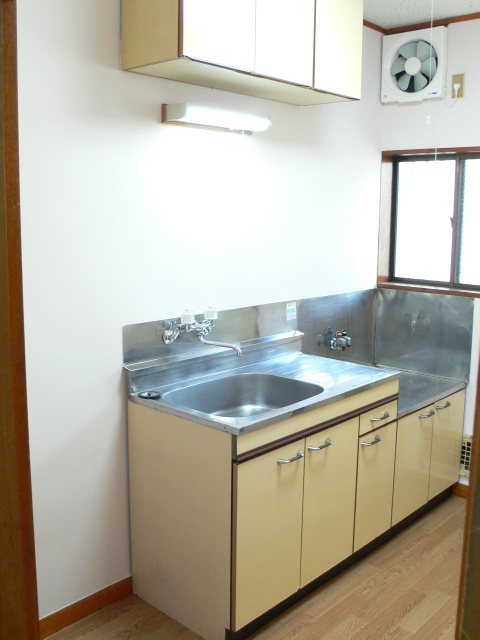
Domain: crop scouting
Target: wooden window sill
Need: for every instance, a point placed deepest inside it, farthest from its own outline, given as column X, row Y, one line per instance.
column 447, row 291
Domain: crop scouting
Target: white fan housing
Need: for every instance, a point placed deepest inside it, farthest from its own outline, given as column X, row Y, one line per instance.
column 414, row 65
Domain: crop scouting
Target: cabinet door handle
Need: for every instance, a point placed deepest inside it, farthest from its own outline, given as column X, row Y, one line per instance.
column 384, row 417
column 370, row 444
column 299, row 455
column 328, row 443
column 443, row 406
column 427, row 415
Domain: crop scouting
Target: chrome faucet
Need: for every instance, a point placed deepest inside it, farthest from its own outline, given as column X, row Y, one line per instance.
column 188, row 323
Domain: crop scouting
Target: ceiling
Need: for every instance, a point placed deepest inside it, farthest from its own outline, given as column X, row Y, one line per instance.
column 400, row 13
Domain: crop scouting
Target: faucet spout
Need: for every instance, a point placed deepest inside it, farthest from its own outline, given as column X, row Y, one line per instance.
column 221, row 344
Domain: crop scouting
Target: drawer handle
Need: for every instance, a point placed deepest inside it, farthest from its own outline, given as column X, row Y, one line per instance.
column 328, row 443
column 427, row 415
column 384, row 417
column 370, row 444
column 443, row 406
column 297, row 457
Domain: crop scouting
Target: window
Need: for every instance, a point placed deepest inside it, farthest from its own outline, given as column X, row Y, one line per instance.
column 436, row 220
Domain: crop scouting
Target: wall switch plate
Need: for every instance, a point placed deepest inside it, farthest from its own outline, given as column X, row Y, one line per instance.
column 459, row 79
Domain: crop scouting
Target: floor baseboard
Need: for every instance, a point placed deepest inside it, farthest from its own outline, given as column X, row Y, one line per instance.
column 460, row 490
column 83, row 608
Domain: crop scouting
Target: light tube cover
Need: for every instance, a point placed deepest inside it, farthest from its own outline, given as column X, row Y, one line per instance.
column 213, row 118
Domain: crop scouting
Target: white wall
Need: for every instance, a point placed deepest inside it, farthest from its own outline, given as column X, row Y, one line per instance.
column 125, row 220
column 446, row 123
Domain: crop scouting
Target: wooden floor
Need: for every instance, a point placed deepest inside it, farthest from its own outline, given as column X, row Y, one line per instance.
column 407, row 589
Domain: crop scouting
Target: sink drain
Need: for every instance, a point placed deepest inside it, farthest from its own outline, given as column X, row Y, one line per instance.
column 149, row 395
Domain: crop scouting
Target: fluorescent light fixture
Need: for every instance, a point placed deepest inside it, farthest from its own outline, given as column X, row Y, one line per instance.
column 192, row 115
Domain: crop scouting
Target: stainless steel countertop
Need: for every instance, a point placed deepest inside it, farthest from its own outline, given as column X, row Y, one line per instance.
column 418, row 390
column 339, row 379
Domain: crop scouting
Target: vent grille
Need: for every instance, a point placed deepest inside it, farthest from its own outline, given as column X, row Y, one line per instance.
column 466, row 456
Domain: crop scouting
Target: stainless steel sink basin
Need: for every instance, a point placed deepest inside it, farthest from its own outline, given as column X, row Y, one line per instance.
column 243, row 395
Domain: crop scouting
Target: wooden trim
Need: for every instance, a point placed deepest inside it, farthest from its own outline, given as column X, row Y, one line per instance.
column 468, row 619
column 393, row 153
column 446, row 291
column 375, row 27
column 18, row 603
column 299, row 435
column 436, row 23
column 83, row 608
column 460, row 490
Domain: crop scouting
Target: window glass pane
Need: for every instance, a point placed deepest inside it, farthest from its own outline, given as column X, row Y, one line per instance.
column 426, row 192
column 470, row 231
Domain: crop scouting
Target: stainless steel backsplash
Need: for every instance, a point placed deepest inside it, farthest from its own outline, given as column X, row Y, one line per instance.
column 424, row 332
column 421, row 332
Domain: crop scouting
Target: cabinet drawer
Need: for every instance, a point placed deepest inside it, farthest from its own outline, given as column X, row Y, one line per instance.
column 378, row 417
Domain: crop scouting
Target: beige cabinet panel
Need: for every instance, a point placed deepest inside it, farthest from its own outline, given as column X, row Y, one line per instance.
column 412, row 463
column 284, row 40
column 376, row 462
column 446, row 443
column 329, row 499
column 220, row 32
column 267, row 532
column 338, row 46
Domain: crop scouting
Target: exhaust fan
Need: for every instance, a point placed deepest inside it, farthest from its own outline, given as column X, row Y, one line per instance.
column 414, row 65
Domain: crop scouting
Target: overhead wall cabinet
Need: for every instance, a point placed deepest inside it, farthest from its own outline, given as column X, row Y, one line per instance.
column 307, row 52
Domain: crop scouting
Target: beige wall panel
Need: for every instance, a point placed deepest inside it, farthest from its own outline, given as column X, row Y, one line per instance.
column 376, row 464
column 338, row 46
column 149, row 31
column 284, row 40
column 412, row 464
column 329, row 500
column 180, row 497
column 378, row 417
column 185, row 70
column 311, row 418
column 446, row 443
column 268, row 513
column 220, row 32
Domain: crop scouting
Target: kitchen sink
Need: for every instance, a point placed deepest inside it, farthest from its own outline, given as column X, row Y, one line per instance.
column 243, row 395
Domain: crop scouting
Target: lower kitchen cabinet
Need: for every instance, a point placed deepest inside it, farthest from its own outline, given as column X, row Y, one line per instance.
column 294, row 513
column 446, row 443
column 267, row 534
column 429, row 444
column 329, row 499
column 376, row 464
column 412, row 464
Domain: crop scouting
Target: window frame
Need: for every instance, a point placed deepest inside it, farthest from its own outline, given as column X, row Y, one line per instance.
column 387, row 227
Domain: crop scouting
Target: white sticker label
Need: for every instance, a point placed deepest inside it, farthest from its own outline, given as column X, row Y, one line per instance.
column 291, row 311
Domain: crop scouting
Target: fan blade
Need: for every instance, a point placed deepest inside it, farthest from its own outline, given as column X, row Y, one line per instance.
column 419, row 82
column 424, row 51
column 429, row 67
column 398, row 66
column 408, row 50
column 404, row 81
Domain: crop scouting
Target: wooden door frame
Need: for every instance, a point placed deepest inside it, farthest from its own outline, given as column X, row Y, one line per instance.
column 18, row 604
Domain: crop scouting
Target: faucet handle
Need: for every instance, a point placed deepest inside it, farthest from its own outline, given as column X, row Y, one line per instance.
column 211, row 313
column 187, row 317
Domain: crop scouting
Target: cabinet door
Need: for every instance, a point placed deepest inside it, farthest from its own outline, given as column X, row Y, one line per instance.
column 219, row 32
column 329, row 499
column 446, row 443
column 376, row 462
column 284, row 40
column 267, row 531
column 412, row 463
column 338, row 47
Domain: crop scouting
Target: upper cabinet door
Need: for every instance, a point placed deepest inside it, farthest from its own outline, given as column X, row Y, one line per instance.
column 284, row 40
column 338, row 47
column 219, row 31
